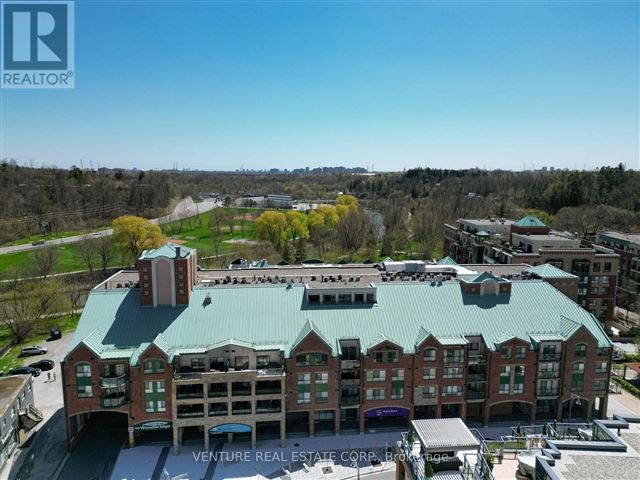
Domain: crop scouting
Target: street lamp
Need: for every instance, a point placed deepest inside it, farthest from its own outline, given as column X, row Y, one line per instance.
column 578, row 403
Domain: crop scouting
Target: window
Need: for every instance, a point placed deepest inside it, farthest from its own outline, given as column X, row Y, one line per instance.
column 149, row 407
column 397, row 393
column 452, row 391
column 311, row 359
column 83, row 370
column 521, row 352
column 376, row 375
column 505, row 371
column 607, row 266
column 160, row 386
column 262, row 361
column 322, row 377
column 153, row 366
column 577, row 378
column 505, row 353
column 84, row 391
column 397, row 374
column 504, row 389
column 518, row 389
column 429, row 373
column 148, row 387
column 429, row 392
column 304, row 378
column 603, row 351
column 581, row 350
column 599, row 385
column 375, row 393
column 161, row 406
column 304, row 397
column 241, row 362
column 322, row 397
column 453, row 372
column 430, row 355
column 594, row 290
column 454, row 356
column 596, row 266
column 578, row 367
column 601, row 367
column 197, row 364
column 385, row 356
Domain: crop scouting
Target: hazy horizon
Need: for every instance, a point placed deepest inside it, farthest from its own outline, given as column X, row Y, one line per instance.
column 255, row 85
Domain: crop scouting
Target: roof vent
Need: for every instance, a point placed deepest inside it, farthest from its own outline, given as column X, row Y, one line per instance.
column 207, row 300
column 177, row 252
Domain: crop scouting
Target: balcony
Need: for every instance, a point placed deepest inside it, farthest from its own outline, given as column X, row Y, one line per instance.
column 476, row 395
column 348, row 401
column 189, row 391
column 452, row 361
column 190, row 376
column 268, row 407
column 190, row 411
column 113, row 382
column 218, row 412
column 452, row 394
column 477, row 359
column 549, row 392
column 476, row 377
column 550, row 356
column 113, row 401
column 271, row 372
column 549, row 374
column 241, row 389
column 348, row 364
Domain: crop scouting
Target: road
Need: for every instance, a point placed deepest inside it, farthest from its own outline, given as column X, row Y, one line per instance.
column 184, row 209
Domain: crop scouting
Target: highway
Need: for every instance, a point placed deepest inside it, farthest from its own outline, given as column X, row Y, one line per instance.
column 184, row 209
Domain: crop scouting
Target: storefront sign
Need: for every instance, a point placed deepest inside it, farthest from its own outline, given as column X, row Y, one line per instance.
column 231, row 428
column 387, row 412
column 156, row 425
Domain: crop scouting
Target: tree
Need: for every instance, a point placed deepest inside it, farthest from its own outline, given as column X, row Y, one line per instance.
column 134, row 234
column 352, row 230
column 297, row 225
column 301, row 251
column 286, row 252
column 88, row 251
column 321, row 222
column 426, row 229
column 74, row 294
column 216, row 221
column 106, row 251
column 46, row 259
column 26, row 303
column 272, row 226
column 345, row 204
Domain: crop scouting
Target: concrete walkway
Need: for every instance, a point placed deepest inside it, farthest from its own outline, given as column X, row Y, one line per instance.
column 330, row 457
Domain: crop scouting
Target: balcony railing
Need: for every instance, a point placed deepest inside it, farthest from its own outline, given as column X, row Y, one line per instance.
column 216, row 393
column 454, row 360
column 113, row 401
column 217, row 413
column 268, row 391
column 555, row 356
column 347, row 364
column 549, row 374
column 350, row 400
column 476, row 395
column 477, row 359
column 477, row 377
column 268, row 409
column 549, row 392
column 187, row 375
column 191, row 414
column 184, row 395
column 241, row 411
column 241, row 392
column 113, row 382
column 452, row 394
column 271, row 372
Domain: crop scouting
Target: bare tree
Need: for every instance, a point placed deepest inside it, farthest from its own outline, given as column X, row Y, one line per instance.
column 216, row 221
column 426, row 228
column 26, row 303
column 46, row 259
column 74, row 294
column 352, row 230
column 88, row 251
column 106, row 252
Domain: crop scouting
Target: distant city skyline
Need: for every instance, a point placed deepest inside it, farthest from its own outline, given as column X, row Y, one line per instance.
column 260, row 85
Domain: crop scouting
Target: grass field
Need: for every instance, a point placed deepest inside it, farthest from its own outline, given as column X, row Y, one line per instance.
column 66, row 324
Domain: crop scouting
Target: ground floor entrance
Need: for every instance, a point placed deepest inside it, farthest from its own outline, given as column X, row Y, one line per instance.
column 510, row 412
column 425, row 411
column 385, row 418
column 297, row 424
column 350, row 420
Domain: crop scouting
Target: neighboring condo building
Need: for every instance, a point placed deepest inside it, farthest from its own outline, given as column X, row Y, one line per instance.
column 18, row 414
column 530, row 241
column 223, row 355
column 627, row 245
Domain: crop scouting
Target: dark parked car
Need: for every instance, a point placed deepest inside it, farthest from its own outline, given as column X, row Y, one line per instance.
column 25, row 371
column 55, row 334
column 43, row 364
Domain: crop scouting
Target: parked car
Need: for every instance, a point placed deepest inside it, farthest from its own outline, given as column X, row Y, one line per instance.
column 55, row 334
column 43, row 364
column 32, row 350
column 25, row 371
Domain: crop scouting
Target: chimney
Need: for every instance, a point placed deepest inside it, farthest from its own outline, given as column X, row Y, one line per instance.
column 177, row 252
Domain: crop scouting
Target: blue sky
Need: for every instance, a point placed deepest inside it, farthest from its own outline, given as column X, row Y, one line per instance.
column 216, row 85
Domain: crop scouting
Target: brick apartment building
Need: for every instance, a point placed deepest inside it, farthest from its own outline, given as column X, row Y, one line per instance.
column 627, row 245
column 226, row 355
column 530, row 241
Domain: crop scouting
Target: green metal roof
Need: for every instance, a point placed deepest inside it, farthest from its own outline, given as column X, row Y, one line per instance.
column 114, row 323
column 530, row 221
column 549, row 271
column 167, row 250
column 447, row 261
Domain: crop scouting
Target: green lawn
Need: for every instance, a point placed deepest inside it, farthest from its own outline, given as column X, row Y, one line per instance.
column 11, row 359
column 53, row 236
column 69, row 260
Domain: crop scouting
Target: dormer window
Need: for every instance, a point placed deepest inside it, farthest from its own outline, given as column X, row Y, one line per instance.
column 385, row 356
